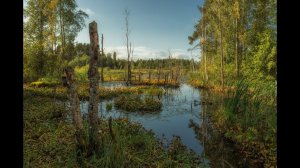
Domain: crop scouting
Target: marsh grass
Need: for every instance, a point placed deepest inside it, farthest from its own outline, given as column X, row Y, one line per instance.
column 60, row 92
column 155, row 82
column 248, row 117
column 137, row 103
column 50, row 142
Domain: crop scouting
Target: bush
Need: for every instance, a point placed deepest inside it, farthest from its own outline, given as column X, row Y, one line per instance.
column 79, row 61
column 81, row 73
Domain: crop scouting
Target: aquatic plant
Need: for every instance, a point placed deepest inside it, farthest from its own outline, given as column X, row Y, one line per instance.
column 136, row 103
column 108, row 106
column 249, row 119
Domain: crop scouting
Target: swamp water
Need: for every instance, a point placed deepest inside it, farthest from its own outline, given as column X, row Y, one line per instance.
column 184, row 113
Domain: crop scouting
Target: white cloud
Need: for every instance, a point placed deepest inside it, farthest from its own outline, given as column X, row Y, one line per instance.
column 142, row 52
column 88, row 11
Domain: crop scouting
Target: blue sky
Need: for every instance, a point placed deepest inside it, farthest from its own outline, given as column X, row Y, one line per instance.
column 156, row 26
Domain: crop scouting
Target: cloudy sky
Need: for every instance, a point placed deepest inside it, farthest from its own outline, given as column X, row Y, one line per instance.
column 156, row 26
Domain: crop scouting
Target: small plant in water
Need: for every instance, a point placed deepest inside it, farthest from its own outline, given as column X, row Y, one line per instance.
column 136, row 103
column 108, row 106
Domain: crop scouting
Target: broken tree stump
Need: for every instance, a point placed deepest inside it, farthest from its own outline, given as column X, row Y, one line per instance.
column 69, row 82
column 93, row 75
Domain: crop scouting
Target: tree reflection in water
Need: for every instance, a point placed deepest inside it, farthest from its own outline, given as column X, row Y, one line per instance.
column 217, row 152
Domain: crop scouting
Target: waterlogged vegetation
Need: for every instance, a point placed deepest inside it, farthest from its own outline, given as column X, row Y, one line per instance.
column 49, row 141
column 250, row 119
column 136, row 103
column 84, row 107
column 236, row 116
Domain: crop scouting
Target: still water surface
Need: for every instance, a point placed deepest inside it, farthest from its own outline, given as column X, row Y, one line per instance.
column 184, row 115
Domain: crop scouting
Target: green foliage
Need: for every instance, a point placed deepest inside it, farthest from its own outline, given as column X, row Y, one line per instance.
column 79, row 61
column 49, row 35
column 81, row 73
column 249, row 118
column 33, row 62
column 154, row 91
column 82, row 49
column 109, row 61
column 264, row 55
column 108, row 106
column 249, row 40
column 45, row 82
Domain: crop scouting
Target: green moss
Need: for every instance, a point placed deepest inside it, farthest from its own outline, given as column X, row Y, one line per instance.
column 46, row 82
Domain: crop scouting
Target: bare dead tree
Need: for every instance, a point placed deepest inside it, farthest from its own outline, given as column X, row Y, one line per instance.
column 102, row 58
column 131, row 48
column 193, row 63
column 128, row 46
column 170, row 65
column 149, row 77
column 159, row 71
column 139, row 73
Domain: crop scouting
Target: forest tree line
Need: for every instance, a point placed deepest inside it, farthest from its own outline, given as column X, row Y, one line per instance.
column 237, row 40
column 50, row 29
column 111, row 60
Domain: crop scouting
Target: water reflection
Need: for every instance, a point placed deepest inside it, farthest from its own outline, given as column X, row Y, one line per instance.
column 216, row 150
column 184, row 113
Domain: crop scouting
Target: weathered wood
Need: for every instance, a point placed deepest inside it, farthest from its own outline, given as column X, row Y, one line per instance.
column 139, row 74
column 73, row 96
column 69, row 82
column 159, row 71
column 93, row 76
column 102, row 58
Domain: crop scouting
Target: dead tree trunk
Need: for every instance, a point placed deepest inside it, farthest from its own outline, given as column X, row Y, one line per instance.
column 110, row 129
column 139, row 74
column 69, row 81
column 166, row 77
column 93, row 76
column 159, row 71
column 221, row 47
column 149, row 75
column 177, row 73
column 102, row 58
column 125, row 77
